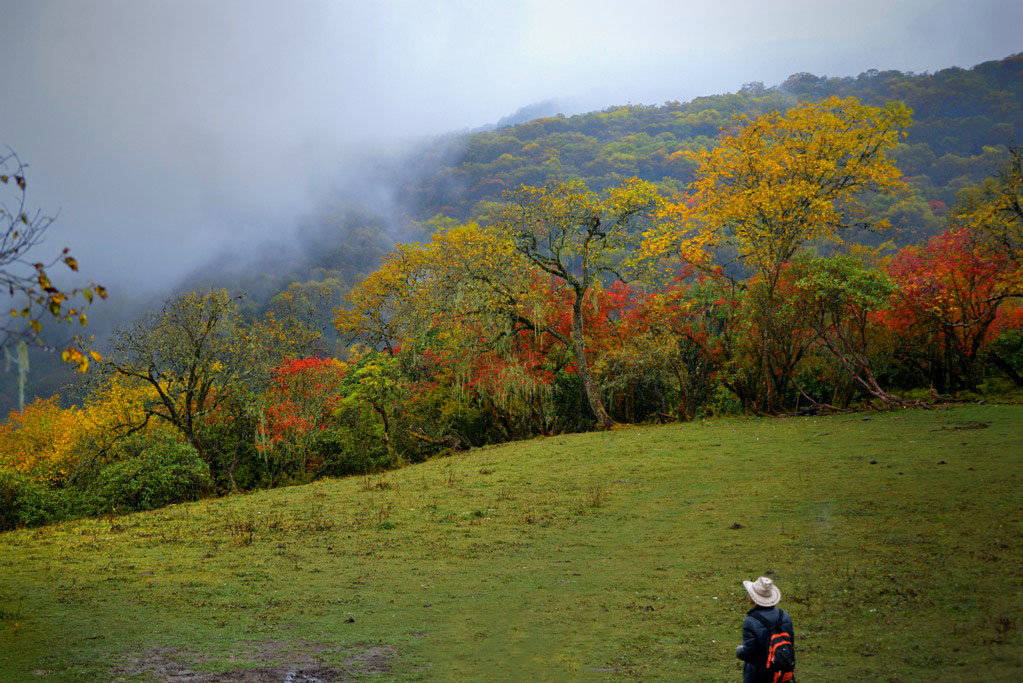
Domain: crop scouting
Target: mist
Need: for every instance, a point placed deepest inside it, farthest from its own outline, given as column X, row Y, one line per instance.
column 176, row 137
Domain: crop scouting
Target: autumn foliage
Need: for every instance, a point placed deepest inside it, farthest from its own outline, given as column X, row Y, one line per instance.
column 951, row 304
column 565, row 309
column 40, row 440
column 298, row 404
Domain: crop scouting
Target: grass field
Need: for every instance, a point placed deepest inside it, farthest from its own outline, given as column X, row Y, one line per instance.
column 895, row 538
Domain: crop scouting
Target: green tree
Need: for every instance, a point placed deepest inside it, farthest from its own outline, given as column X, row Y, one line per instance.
column 205, row 365
column 578, row 238
column 837, row 298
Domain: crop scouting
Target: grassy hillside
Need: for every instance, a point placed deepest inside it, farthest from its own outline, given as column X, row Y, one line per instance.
column 895, row 539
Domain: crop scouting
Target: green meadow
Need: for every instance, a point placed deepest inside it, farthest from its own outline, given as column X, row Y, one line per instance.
column 894, row 537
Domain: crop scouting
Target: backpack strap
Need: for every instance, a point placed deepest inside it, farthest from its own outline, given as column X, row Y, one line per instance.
column 767, row 624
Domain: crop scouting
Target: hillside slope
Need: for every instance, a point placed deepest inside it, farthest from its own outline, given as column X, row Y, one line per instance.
column 602, row 556
column 963, row 118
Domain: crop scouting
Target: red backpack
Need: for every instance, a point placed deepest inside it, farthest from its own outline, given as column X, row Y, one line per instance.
column 780, row 657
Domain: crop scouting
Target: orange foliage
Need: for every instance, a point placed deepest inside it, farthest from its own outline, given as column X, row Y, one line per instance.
column 46, row 441
column 41, row 440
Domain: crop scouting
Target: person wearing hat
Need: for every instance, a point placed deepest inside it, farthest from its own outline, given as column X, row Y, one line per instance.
column 755, row 632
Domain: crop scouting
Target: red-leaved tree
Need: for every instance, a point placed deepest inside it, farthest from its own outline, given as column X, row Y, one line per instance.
column 950, row 304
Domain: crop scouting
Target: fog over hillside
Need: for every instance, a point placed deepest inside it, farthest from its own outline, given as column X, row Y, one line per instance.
column 165, row 132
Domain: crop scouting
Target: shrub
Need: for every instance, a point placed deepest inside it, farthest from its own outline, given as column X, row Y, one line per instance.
column 24, row 501
column 357, row 448
column 1006, row 353
column 723, row 402
column 166, row 471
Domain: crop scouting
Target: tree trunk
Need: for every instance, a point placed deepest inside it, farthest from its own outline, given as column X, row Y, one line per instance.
column 387, row 428
column 856, row 363
column 231, row 468
column 590, row 389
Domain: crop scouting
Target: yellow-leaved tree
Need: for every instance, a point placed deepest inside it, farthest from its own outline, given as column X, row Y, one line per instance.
column 773, row 184
column 995, row 208
column 40, row 439
column 778, row 181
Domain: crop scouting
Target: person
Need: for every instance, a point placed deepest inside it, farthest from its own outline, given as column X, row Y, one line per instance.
column 757, row 630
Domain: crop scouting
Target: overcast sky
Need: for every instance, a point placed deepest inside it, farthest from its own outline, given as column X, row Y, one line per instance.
column 165, row 130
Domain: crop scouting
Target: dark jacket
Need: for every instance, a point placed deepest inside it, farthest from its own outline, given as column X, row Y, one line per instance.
column 754, row 635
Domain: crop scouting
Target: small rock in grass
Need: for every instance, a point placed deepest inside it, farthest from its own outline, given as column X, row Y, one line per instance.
column 350, row 620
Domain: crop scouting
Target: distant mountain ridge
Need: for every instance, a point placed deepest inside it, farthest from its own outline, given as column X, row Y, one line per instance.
column 963, row 118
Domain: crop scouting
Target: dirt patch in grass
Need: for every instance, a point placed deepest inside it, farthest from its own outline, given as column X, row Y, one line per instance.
column 275, row 661
column 972, row 424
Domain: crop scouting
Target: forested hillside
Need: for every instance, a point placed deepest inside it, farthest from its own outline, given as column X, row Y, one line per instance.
column 821, row 246
column 962, row 120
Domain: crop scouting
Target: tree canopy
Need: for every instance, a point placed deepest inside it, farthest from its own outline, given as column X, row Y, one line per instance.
column 783, row 179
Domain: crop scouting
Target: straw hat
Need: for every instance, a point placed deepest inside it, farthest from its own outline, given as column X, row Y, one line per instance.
column 763, row 591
